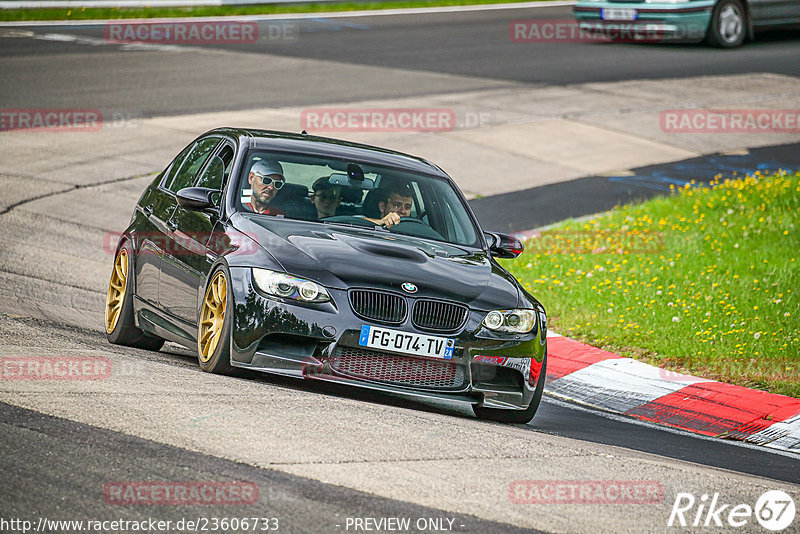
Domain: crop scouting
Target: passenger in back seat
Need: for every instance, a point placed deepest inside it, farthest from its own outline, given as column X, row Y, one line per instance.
column 325, row 197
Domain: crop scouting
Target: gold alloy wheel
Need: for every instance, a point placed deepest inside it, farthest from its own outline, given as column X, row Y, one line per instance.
column 212, row 317
column 116, row 290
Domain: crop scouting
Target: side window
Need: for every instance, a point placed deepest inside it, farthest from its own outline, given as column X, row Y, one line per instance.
column 217, row 170
column 213, row 175
column 227, row 155
column 193, row 163
column 175, row 165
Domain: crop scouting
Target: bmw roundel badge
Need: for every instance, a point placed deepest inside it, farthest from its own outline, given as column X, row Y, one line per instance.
column 409, row 287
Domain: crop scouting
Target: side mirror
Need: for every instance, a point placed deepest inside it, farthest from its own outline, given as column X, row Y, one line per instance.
column 197, row 198
column 504, row 245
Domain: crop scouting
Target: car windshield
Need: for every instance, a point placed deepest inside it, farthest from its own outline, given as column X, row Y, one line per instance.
column 335, row 191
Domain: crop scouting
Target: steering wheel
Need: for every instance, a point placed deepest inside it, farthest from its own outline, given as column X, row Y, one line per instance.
column 410, row 220
column 422, row 229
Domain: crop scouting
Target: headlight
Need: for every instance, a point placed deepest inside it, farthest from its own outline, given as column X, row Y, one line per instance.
column 289, row 287
column 514, row 321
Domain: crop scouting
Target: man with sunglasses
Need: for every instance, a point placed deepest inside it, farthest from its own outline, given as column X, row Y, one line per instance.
column 266, row 179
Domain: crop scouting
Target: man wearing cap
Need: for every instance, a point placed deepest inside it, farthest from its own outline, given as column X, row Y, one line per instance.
column 266, row 179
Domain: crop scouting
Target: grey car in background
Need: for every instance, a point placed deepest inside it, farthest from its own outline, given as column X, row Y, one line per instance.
column 723, row 23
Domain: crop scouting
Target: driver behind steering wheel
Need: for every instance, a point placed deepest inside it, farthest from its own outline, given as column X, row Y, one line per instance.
column 394, row 201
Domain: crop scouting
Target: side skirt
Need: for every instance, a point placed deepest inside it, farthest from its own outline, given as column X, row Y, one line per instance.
column 157, row 322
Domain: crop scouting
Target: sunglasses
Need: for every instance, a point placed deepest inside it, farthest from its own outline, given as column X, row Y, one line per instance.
column 277, row 184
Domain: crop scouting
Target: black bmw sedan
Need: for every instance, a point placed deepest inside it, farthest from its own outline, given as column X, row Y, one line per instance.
column 327, row 260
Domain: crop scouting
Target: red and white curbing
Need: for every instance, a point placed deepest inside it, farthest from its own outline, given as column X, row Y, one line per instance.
column 601, row 379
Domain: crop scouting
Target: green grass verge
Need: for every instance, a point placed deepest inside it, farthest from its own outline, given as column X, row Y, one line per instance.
column 225, row 11
column 704, row 281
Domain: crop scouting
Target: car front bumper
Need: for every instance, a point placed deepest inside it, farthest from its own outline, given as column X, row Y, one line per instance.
column 320, row 342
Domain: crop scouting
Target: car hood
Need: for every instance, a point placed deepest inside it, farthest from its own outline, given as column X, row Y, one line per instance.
column 344, row 257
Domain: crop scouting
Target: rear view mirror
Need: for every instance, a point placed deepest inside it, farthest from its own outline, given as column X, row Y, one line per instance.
column 344, row 180
column 504, row 245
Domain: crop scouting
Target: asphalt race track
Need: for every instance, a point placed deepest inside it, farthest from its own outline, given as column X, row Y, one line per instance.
column 322, row 456
column 464, row 46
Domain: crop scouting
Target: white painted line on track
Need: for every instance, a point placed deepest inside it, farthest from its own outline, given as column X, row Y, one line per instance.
column 618, row 385
column 71, row 4
column 97, row 41
column 300, row 16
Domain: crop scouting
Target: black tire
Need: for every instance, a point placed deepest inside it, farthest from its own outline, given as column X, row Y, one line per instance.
column 123, row 330
column 219, row 361
column 728, row 26
column 520, row 417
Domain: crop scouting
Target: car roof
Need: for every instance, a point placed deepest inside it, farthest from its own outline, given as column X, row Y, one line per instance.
column 326, row 146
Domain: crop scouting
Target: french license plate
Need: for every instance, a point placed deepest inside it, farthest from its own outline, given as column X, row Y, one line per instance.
column 618, row 13
column 406, row 342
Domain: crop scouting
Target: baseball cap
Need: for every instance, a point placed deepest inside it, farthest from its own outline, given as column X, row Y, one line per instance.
column 323, row 184
column 265, row 168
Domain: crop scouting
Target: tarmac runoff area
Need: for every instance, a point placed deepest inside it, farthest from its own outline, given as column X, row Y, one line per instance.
column 62, row 207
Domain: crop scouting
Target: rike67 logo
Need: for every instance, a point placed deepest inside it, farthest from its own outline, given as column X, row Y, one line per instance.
column 774, row 510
